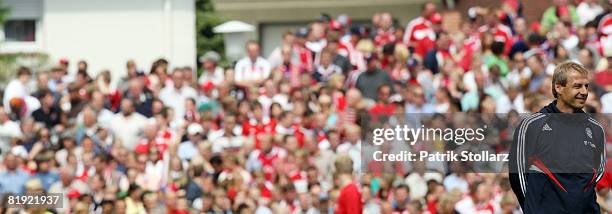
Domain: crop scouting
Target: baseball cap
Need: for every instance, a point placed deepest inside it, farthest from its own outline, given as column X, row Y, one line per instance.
column 210, row 56
column 302, row 32
column 344, row 20
column 335, row 25
column 355, row 30
column 208, row 85
column 436, row 18
column 73, row 194
column 194, row 129
column 63, row 61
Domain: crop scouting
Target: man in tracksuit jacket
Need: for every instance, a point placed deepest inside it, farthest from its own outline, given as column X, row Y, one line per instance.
column 558, row 154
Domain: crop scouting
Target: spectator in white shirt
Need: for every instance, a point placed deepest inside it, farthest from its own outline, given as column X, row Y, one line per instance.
column 8, row 130
column 227, row 138
column 128, row 124
column 352, row 146
column 276, row 57
column 588, row 10
column 174, row 95
column 211, row 72
column 253, row 69
column 19, row 88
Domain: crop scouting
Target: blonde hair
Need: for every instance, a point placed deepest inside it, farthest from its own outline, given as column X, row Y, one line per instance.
column 562, row 71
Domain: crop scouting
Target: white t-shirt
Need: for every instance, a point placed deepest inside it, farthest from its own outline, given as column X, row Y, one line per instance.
column 128, row 129
column 587, row 12
column 216, row 77
column 246, row 70
column 221, row 142
column 175, row 99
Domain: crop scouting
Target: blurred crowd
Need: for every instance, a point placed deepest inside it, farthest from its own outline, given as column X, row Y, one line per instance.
column 283, row 133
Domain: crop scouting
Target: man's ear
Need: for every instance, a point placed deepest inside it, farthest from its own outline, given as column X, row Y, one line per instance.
column 558, row 88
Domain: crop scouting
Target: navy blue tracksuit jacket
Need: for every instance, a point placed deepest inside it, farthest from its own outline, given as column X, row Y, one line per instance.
column 556, row 160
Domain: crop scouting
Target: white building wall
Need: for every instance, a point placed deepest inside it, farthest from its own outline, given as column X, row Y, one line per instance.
column 106, row 33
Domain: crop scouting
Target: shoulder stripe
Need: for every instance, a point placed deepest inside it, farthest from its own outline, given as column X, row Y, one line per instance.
column 603, row 159
column 521, row 148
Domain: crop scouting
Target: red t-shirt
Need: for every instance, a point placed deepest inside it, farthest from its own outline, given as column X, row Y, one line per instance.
column 420, row 33
column 383, row 109
column 349, row 201
column 603, row 78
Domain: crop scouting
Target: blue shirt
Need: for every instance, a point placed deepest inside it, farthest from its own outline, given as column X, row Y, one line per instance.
column 47, row 179
column 13, row 181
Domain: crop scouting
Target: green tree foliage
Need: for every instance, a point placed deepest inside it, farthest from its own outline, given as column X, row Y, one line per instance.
column 206, row 20
column 3, row 13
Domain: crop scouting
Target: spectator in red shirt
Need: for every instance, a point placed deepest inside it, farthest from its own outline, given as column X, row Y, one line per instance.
column 420, row 33
column 383, row 105
column 349, row 200
column 386, row 32
column 604, row 78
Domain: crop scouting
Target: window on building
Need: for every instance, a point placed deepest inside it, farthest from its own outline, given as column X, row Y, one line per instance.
column 20, row 30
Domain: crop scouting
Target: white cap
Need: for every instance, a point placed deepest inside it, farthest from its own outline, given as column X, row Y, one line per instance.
column 194, row 129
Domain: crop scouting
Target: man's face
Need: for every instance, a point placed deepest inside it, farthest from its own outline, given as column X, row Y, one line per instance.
column 442, row 42
column 11, row 162
column 127, row 107
column 82, row 66
column 401, row 195
column 253, row 51
column 575, row 92
column 97, row 100
column 372, row 65
column 48, row 100
column 57, row 74
column 209, row 65
column 429, row 10
column 177, row 78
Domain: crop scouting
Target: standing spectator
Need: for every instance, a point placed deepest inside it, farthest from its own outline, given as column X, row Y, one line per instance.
column 18, row 91
column 325, row 69
column 69, row 187
column 316, row 37
column 12, row 179
column 561, row 11
column 604, row 78
column 401, row 198
column 386, row 33
column 44, row 172
column 251, row 70
column 211, row 72
column 340, row 52
column 127, row 124
column 478, row 200
column 58, row 80
column 228, row 138
column 420, row 34
column 188, row 149
column 500, row 32
column 349, row 200
column 175, row 95
column 49, row 113
column 140, row 95
column 8, row 129
column 276, row 57
column 437, row 57
column 588, row 10
column 369, row 81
